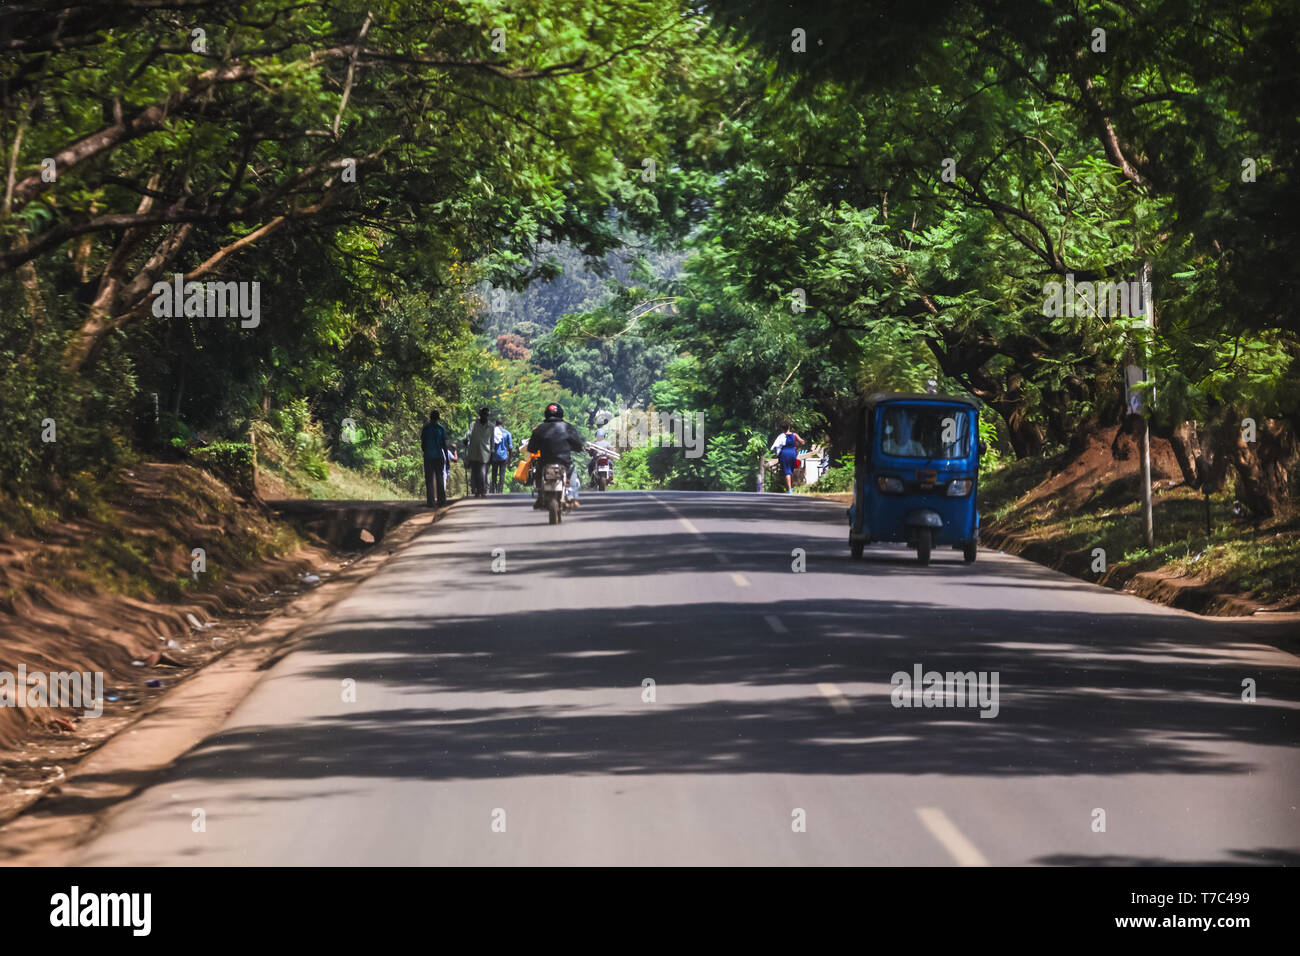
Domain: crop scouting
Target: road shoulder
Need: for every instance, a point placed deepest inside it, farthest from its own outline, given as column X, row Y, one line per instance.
column 57, row 822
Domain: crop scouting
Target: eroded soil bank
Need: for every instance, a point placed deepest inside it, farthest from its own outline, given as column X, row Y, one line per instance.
column 164, row 576
column 1081, row 515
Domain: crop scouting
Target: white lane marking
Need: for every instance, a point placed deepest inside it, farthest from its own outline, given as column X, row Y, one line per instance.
column 836, row 697
column 775, row 624
column 740, row 579
column 946, row 832
column 690, row 526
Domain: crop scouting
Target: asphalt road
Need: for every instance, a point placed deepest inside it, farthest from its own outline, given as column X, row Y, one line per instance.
column 501, row 718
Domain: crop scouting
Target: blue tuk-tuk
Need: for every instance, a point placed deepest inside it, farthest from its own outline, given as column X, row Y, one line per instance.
column 917, row 468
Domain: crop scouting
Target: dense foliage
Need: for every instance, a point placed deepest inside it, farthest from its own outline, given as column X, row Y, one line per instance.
column 903, row 186
column 368, row 165
column 449, row 205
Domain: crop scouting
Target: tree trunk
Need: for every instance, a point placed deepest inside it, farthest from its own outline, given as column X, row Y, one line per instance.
column 1263, row 468
column 178, row 391
column 1186, row 445
column 1025, row 437
column 32, row 292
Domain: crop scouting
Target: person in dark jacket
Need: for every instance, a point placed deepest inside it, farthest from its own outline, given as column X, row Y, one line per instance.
column 556, row 440
column 433, row 445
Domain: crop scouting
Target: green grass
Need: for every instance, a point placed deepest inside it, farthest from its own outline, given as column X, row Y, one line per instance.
column 117, row 548
column 343, row 483
column 1233, row 558
column 82, row 495
column 303, row 475
column 1268, row 568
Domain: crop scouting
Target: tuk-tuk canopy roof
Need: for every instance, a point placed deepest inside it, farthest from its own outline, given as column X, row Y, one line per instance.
column 881, row 397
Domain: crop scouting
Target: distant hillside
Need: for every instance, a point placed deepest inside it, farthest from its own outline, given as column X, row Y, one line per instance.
column 613, row 373
column 578, row 288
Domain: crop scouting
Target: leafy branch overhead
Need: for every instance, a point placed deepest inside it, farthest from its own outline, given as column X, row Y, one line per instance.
column 836, row 197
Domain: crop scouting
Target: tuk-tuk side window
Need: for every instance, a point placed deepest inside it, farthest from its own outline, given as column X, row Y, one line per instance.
column 917, row 431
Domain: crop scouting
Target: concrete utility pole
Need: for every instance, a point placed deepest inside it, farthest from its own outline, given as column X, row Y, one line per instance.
column 1136, row 396
column 1148, row 527
column 1149, row 305
column 1138, row 402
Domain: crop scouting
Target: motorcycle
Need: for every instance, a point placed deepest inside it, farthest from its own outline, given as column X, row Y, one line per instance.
column 553, row 490
column 602, row 472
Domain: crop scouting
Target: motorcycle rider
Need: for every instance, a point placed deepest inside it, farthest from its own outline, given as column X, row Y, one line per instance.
column 598, row 446
column 556, row 440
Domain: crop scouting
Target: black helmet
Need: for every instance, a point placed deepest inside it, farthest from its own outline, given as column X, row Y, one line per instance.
column 553, row 411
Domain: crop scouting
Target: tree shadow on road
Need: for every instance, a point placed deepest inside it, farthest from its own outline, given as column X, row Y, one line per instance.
column 1157, row 704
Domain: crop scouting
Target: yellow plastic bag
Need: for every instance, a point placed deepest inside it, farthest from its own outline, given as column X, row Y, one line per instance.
column 525, row 466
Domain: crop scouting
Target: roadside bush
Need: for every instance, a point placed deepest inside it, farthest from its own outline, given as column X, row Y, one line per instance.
column 838, row 479
column 405, row 471
column 631, row 472
column 726, row 465
column 364, row 453
column 991, row 460
column 232, row 462
column 302, row 437
column 57, row 423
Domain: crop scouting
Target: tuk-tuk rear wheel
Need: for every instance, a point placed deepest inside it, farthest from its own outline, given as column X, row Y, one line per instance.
column 856, row 547
column 923, row 546
column 970, row 551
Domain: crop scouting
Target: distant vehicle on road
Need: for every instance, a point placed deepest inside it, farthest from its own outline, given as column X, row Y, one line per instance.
column 600, row 469
column 602, row 472
column 917, row 467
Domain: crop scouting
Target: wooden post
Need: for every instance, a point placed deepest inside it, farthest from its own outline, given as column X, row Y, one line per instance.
column 252, row 443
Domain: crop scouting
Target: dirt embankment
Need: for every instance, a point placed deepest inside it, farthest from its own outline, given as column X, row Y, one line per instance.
column 1081, row 515
column 1106, row 472
column 161, row 579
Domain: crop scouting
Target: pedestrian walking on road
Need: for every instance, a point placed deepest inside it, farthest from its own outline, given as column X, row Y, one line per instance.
column 503, row 446
column 433, row 445
column 786, row 447
column 478, row 453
